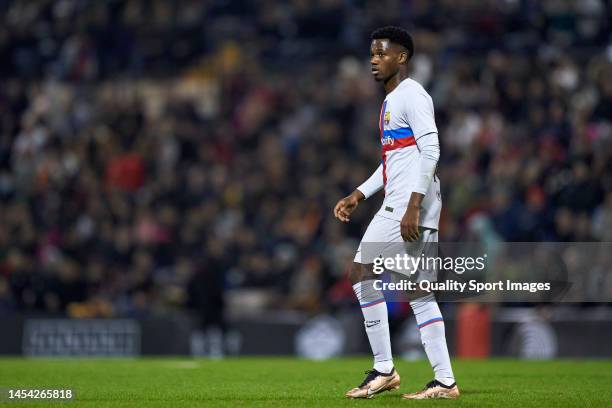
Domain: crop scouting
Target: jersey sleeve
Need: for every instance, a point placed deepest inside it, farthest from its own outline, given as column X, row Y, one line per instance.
column 420, row 116
column 419, row 113
column 373, row 184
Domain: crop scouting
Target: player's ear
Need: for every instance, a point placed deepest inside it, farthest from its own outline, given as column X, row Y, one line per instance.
column 403, row 57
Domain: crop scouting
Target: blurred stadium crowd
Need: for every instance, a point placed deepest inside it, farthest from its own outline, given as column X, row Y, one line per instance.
column 154, row 154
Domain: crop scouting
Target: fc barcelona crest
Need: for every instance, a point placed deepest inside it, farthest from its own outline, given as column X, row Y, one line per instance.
column 387, row 118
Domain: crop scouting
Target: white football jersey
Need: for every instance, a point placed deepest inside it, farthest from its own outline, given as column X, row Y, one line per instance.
column 407, row 114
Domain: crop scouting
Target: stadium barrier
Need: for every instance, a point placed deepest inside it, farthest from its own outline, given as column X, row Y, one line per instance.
column 518, row 332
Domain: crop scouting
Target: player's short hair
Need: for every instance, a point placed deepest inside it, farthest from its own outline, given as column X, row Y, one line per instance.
column 396, row 35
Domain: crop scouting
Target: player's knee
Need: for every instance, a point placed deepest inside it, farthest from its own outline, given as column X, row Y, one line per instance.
column 360, row 272
column 417, row 294
column 355, row 273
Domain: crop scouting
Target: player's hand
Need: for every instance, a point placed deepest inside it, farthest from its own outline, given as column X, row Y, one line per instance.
column 345, row 207
column 410, row 224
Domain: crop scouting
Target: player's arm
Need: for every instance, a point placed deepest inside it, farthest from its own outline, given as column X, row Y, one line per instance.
column 429, row 148
column 345, row 207
column 373, row 184
column 421, row 118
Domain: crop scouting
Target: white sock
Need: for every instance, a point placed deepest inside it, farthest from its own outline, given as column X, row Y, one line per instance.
column 431, row 325
column 376, row 322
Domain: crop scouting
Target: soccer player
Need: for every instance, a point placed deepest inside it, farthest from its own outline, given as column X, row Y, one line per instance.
column 409, row 214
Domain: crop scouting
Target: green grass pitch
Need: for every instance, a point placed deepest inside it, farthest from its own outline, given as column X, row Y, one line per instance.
column 290, row 382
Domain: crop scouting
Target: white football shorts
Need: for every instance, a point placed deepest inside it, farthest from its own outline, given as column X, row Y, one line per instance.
column 383, row 240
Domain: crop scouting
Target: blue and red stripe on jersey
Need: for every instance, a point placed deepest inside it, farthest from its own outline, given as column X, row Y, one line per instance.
column 392, row 139
column 381, row 126
column 381, row 120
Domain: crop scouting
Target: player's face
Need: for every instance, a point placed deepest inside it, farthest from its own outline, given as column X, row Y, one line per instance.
column 385, row 59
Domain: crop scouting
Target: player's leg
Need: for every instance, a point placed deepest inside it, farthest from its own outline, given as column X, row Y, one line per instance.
column 431, row 327
column 383, row 376
column 375, row 315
